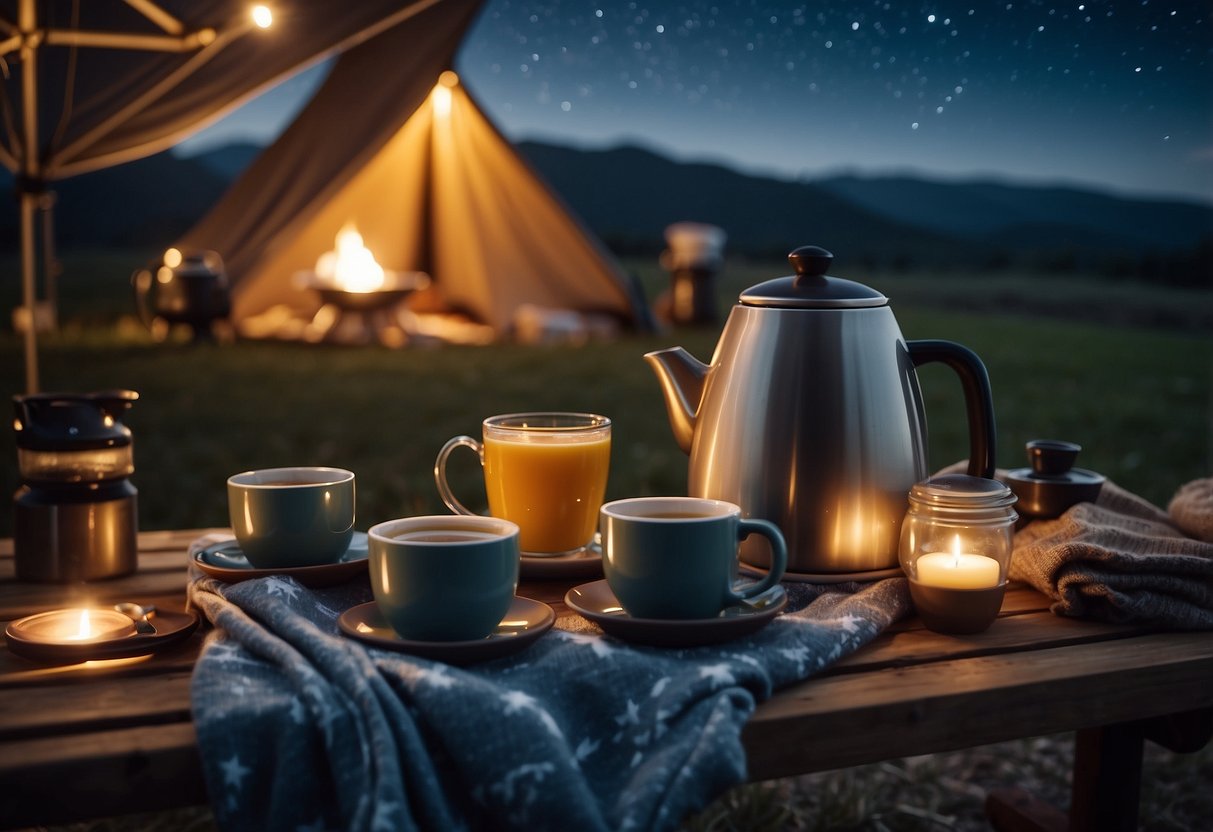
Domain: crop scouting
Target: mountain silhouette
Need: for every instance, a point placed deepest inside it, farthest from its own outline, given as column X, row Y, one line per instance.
column 1014, row 213
column 629, row 194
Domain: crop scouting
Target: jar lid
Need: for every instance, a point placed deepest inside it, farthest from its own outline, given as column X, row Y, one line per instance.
column 811, row 287
column 962, row 491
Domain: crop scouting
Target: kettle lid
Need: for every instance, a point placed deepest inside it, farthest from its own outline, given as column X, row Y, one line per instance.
column 811, row 287
column 72, row 421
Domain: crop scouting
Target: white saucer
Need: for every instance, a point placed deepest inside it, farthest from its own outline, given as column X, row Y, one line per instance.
column 595, row 602
column 824, row 577
column 525, row 622
column 226, row 562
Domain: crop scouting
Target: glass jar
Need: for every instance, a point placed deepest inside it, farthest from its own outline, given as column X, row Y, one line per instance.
column 956, row 544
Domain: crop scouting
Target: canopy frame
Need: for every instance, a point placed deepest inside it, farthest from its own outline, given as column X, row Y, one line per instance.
column 26, row 38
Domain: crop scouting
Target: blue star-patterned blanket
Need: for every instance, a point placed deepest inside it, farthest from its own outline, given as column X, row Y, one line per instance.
column 301, row 728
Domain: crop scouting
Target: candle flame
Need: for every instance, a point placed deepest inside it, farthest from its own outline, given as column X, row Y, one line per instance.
column 85, row 629
column 956, row 551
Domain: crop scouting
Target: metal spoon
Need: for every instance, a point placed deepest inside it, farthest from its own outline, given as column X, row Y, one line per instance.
column 139, row 615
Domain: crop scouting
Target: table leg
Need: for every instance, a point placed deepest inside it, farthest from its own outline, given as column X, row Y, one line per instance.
column 1106, row 785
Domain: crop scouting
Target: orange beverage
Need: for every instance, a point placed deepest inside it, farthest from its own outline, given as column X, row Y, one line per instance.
column 550, row 483
column 544, row 472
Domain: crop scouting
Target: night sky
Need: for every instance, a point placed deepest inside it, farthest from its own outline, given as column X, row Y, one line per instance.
column 1115, row 95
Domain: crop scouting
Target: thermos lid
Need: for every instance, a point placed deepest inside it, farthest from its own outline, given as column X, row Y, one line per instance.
column 72, row 421
column 1052, row 484
column 811, row 287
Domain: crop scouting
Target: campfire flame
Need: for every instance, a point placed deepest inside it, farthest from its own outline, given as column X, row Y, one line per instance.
column 352, row 265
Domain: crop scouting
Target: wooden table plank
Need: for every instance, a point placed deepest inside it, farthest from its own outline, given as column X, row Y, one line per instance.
column 122, row 736
column 1009, row 634
column 110, row 704
column 16, row 672
column 159, row 579
column 143, row 769
column 849, row 719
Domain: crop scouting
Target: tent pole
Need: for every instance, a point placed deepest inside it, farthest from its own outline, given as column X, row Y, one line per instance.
column 428, row 230
column 27, row 21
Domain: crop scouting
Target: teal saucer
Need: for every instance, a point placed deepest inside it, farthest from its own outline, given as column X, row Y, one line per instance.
column 595, row 602
column 225, row 561
column 525, row 622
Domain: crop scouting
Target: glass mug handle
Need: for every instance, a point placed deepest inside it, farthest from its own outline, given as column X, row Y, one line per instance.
column 448, row 496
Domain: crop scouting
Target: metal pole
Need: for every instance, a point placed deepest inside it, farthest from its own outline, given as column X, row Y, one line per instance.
column 27, row 21
column 51, row 267
column 28, row 298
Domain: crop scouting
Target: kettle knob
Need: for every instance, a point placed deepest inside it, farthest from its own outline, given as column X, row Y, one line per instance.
column 810, row 262
column 1051, row 457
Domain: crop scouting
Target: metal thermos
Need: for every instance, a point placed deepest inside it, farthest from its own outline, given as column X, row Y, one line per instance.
column 75, row 515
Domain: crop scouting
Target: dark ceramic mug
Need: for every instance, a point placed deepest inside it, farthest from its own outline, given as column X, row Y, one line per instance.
column 676, row 557
column 444, row 577
column 288, row 517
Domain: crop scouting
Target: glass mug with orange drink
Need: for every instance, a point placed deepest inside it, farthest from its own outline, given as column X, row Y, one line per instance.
column 545, row 472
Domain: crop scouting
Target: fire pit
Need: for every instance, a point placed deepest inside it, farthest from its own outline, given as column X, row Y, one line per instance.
column 358, row 295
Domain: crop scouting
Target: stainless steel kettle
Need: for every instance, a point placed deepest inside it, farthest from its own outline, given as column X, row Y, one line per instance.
column 810, row 415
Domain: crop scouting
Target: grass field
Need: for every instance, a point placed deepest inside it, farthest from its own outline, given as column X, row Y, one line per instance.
column 1137, row 398
column 1124, row 369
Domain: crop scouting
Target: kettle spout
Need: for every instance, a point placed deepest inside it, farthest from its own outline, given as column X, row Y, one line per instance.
column 682, row 381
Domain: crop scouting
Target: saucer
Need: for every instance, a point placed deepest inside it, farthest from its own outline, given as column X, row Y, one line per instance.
column 225, row 561
column 824, row 577
column 525, row 622
column 585, row 562
column 596, row 602
column 171, row 628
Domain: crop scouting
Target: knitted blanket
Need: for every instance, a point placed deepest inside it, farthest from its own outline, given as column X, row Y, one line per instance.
column 1122, row 559
column 301, row 728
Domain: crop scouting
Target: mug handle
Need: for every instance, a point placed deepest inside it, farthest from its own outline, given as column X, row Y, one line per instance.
column 448, row 496
column 779, row 557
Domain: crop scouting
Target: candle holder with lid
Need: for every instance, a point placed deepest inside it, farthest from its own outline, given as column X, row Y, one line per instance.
column 955, row 549
column 75, row 512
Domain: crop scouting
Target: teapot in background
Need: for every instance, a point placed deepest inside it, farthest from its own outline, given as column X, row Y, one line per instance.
column 810, row 415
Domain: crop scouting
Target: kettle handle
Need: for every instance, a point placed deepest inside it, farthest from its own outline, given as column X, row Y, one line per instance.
column 979, row 401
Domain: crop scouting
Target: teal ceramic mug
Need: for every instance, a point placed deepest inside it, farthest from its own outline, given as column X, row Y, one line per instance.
column 287, row 517
column 444, row 578
column 676, row 557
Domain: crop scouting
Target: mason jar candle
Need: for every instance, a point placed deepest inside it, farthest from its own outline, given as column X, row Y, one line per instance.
column 955, row 549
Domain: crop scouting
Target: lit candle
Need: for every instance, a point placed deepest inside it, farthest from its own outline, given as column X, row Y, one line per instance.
column 957, row 570
column 76, row 626
column 84, row 628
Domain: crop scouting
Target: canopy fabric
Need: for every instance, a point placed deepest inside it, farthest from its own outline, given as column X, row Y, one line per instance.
column 427, row 180
column 102, row 106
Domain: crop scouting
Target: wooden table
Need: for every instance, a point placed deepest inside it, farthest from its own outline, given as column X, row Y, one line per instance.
column 80, row 742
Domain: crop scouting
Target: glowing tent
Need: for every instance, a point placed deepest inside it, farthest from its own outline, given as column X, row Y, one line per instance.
column 92, row 84
column 395, row 145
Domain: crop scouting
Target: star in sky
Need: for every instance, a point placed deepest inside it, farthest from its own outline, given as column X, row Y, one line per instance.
column 1115, row 92
column 1111, row 94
